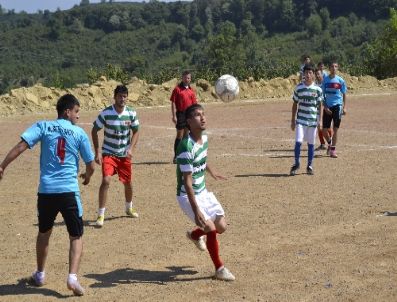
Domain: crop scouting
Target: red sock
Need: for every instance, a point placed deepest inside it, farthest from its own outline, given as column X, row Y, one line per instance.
column 197, row 233
column 213, row 249
column 321, row 137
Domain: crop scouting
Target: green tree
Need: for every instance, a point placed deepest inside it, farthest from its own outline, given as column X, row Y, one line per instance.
column 314, row 25
column 224, row 51
column 383, row 52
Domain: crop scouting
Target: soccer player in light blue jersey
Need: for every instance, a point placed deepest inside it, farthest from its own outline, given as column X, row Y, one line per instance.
column 334, row 90
column 61, row 145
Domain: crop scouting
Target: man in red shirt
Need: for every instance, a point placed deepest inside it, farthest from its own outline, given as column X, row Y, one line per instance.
column 183, row 96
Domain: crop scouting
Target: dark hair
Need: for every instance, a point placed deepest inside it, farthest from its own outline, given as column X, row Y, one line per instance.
column 305, row 56
column 67, row 101
column 320, row 63
column 186, row 72
column 121, row 89
column 308, row 67
column 190, row 110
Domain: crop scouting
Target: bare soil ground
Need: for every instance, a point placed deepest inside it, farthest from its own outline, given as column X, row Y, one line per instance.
column 304, row 238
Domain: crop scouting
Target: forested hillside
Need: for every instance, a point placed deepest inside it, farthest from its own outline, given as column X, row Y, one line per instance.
column 156, row 40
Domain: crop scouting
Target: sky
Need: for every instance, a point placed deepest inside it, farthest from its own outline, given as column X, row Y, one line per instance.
column 32, row 6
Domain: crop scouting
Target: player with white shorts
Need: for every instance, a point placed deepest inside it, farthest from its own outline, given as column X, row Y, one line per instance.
column 197, row 203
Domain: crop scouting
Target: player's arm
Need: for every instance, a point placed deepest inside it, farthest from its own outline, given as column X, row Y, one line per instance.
column 89, row 171
column 17, row 150
column 320, row 121
column 95, row 142
column 173, row 112
column 188, row 182
column 214, row 174
column 344, row 103
column 134, row 141
column 293, row 116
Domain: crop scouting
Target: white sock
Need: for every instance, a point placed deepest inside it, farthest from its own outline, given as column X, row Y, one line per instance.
column 101, row 211
column 72, row 278
column 128, row 205
column 40, row 274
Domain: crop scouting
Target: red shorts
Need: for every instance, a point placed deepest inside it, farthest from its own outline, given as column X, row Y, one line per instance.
column 122, row 166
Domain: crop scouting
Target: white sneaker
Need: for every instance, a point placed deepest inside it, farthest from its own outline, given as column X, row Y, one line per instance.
column 200, row 244
column 76, row 288
column 37, row 280
column 224, row 274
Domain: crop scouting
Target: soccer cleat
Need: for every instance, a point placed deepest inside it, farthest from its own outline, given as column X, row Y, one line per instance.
column 37, row 280
column 174, row 160
column 328, row 149
column 321, row 147
column 333, row 154
column 100, row 220
column 200, row 243
column 309, row 170
column 224, row 274
column 76, row 288
column 132, row 212
column 294, row 168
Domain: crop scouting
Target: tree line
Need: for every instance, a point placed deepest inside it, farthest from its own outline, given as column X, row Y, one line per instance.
column 156, row 40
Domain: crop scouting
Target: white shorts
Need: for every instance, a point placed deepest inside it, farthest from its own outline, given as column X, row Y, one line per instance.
column 305, row 133
column 207, row 203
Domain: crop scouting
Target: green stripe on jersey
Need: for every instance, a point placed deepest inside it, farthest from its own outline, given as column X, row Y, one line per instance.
column 308, row 99
column 117, row 129
column 191, row 156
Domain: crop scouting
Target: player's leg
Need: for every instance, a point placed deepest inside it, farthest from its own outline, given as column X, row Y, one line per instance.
column 42, row 247
column 124, row 170
column 311, row 133
column 220, row 224
column 327, row 119
column 47, row 208
column 109, row 165
column 211, row 229
column 75, row 253
column 299, row 135
column 336, row 117
column 73, row 216
column 321, row 138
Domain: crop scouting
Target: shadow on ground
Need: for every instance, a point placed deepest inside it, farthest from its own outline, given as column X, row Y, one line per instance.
column 130, row 276
column 25, row 287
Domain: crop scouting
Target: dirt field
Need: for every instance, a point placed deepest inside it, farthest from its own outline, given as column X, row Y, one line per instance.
column 302, row 238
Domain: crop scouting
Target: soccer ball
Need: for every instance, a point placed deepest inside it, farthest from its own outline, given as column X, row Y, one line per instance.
column 226, row 87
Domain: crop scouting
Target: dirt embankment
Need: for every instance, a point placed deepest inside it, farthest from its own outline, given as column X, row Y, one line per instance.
column 40, row 99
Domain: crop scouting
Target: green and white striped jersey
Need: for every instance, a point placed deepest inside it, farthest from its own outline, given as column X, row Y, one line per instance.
column 117, row 129
column 191, row 157
column 308, row 99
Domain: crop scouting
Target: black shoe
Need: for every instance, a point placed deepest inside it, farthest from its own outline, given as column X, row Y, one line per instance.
column 309, row 170
column 174, row 161
column 294, row 168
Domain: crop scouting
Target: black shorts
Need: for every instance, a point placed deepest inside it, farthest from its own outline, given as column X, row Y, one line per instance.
column 180, row 120
column 49, row 205
column 336, row 116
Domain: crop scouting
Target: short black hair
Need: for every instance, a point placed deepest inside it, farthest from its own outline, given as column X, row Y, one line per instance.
column 67, row 101
column 120, row 89
column 190, row 110
column 309, row 67
column 186, row 72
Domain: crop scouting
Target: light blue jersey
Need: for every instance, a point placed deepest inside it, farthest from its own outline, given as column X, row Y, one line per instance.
column 333, row 90
column 61, row 144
